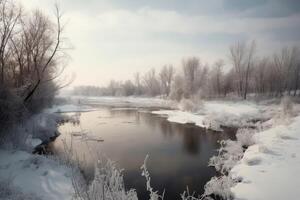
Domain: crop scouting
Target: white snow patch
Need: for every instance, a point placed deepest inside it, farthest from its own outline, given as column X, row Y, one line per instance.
column 36, row 174
column 32, row 142
column 269, row 169
column 213, row 114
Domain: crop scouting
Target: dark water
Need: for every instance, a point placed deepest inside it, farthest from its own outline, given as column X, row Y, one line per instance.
column 178, row 154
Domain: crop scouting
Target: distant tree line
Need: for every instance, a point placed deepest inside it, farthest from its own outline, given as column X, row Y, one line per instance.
column 31, row 54
column 245, row 73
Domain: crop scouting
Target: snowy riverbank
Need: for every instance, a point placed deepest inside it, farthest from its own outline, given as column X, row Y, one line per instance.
column 27, row 176
column 35, row 176
column 268, row 169
column 214, row 114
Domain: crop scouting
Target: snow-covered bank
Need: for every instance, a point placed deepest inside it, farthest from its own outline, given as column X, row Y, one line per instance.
column 36, row 174
column 214, row 114
column 260, row 164
column 269, row 169
column 25, row 175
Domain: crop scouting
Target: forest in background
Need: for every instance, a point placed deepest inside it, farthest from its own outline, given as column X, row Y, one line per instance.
column 272, row 76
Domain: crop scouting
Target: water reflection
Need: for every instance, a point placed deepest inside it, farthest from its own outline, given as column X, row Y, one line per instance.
column 178, row 153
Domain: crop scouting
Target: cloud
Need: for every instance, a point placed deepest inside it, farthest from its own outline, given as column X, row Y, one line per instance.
column 263, row 8
column 113, row 39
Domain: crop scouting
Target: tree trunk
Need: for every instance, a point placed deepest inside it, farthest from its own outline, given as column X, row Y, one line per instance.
column 32, row 91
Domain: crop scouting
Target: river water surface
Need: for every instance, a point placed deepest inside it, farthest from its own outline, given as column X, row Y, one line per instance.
column 178, row 153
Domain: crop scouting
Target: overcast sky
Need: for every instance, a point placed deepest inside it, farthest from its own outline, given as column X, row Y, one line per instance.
column 112, row 39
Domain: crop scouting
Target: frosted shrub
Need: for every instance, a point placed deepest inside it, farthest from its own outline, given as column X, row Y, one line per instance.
column 220, row 187
column 153, row 194
column 287, row 106
column 245, row 137
column 212, row 122
column 230, row 153
column 187, row 196
column 190, row 105
column 107, row 184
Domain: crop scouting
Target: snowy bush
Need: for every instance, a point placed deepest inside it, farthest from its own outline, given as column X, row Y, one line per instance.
column 245, row 137
column 230, row 153
column 107, row 184
column 219, row 187
column 190, row 105
column 287, row 106
column 212, row 122
column 40, row 126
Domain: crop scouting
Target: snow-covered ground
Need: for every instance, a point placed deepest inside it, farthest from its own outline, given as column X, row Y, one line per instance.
column 35, row 174
column 24, row 175
column 269, row 169
column 213, row 114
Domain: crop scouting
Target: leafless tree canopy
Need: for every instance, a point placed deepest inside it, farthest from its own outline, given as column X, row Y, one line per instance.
column 30, row 57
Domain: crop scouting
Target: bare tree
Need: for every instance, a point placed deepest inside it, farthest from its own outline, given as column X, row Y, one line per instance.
column 283, row 65
column 237, row 54
column 128, row 88
column 190, row 68
column 217, row 76
column 242, row 57
column 138, row 84
column 151, row 83
column 44, row 49
column 261, row 74
column 9, row 17
column 249, row 63
column 166, row 78
column 177, row 88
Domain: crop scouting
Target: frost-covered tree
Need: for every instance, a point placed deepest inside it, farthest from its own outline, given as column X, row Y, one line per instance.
column 216, row 77
column 166, row 77
column 32, row 58
column 190, row 68
column 177, row 88
column 241, row 56
column 152, row 86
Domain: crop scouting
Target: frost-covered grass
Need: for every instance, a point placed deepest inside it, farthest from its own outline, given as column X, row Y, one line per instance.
column 153, row 194
column 108, row 183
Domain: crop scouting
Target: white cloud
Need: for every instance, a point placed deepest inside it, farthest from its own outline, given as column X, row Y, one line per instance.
column 116, row 42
